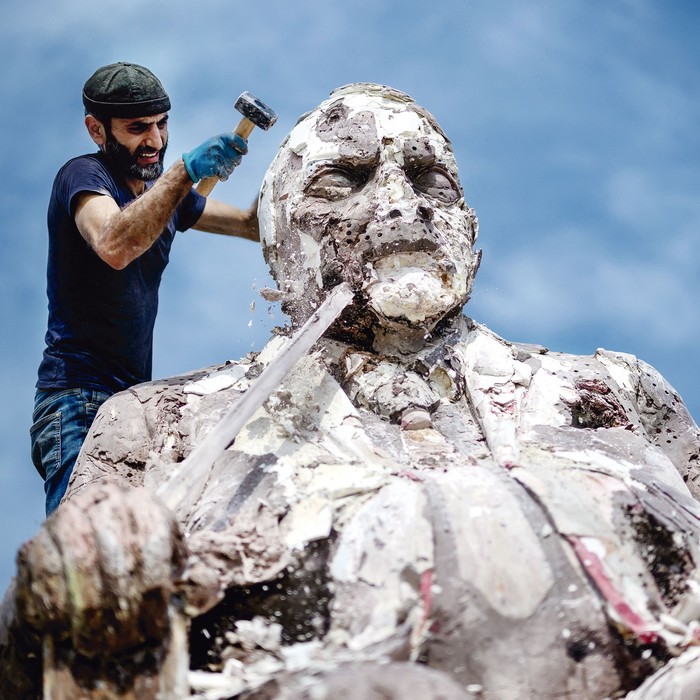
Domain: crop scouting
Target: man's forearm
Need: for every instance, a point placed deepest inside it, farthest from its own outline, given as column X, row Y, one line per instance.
column 134, row 229
column 219, row 217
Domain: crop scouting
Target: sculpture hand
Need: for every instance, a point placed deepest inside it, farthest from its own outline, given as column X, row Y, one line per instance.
column 101, row 570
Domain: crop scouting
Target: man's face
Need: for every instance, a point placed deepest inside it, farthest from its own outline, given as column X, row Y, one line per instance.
column 137, row 146
column 366, row 190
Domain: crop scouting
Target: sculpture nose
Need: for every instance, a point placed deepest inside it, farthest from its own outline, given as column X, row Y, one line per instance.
column 396, row 198
column 405, row 211
column 424, row 212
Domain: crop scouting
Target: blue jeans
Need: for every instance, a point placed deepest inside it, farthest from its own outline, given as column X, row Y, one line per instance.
column 61, row 420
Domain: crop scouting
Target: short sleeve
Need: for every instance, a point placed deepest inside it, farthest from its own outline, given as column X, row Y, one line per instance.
column 190, row 210
column 84, row 174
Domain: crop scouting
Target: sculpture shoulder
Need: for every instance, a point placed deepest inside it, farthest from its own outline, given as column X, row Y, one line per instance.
column 143, row 430
column 662, row 413
column 604, row 390
column 634, row 381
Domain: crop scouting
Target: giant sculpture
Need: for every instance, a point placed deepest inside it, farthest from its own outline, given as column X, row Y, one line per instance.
column 420, row 509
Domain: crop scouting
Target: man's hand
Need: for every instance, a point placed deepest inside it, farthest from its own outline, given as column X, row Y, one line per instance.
column 217, row 156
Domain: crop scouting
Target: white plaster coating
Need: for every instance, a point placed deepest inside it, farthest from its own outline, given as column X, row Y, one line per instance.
column 311, row 519
column 266, row 220
column 514, row 576
column 216, row 381
column 412, row 286
column 311, row 252
column 392, row 120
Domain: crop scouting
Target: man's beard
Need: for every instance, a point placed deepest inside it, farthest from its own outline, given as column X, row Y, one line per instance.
column 126, row 163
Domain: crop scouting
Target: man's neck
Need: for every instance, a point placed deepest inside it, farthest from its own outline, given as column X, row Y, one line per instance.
column 138, row 187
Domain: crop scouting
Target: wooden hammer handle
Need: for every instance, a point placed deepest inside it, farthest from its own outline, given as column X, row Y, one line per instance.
column 244, row 128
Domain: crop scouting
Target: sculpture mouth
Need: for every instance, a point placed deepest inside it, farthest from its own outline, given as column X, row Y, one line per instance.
column 395, row 263
column 420, row 245
column 414, row 286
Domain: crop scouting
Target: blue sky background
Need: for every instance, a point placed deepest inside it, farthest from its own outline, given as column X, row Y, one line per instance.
column 575, row 124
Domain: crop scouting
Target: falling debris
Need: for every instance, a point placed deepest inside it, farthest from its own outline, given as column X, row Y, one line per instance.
column 271, row 295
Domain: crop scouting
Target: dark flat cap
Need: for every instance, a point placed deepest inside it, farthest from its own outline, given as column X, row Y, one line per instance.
column 126, row 91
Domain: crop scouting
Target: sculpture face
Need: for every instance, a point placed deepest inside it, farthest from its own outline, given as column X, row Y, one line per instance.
column 365, row 189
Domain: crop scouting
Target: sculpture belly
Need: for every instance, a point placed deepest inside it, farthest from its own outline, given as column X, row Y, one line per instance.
column 508, row 597
column 481, row 572
column 464, row 567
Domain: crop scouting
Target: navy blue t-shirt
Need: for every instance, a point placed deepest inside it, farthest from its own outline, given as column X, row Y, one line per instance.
column 100, row 330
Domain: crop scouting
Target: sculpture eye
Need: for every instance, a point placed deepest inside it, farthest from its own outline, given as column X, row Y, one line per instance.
column 335, row 182
column 436, row 183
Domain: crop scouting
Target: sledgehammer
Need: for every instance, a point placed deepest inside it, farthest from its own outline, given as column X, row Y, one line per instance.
column 255, row 113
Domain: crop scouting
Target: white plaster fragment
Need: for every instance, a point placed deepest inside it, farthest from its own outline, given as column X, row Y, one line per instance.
column 412, row 286
column 217, row 381
column 271, row 295
column 298, row 657
column 257, row 632
column 619, row 370
column 309, row 520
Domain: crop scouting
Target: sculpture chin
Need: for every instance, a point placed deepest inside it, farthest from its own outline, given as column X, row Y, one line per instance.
column 414, row 289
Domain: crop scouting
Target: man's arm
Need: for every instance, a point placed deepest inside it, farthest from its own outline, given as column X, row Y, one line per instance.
column 119, row 236
column 219, row 217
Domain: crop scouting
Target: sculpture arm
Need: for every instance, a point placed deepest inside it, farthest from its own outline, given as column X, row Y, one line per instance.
column 97, row 582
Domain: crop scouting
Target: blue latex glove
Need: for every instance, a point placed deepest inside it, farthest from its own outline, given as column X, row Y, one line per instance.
column 217, row 156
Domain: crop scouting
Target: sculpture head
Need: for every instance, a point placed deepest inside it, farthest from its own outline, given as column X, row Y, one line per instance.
column 365, row 189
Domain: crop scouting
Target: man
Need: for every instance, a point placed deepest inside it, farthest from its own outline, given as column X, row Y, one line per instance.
column 112, row 219
column 417, row 489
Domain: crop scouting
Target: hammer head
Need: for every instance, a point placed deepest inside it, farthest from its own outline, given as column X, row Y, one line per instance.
column 256, row 111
